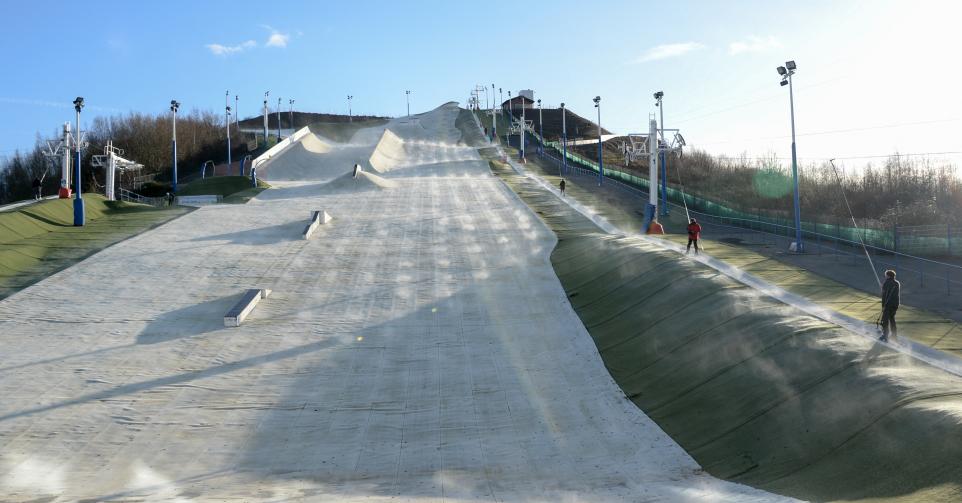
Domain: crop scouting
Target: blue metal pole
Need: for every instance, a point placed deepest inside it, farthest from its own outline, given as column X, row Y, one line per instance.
column 79, row 216
column 664, row 184
column 798, row 214
column 601, row 162
column 564, row 140
column 173, row 143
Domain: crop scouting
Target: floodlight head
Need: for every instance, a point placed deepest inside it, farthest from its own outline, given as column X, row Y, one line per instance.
column 659, row 94
column 679, row 139
column 790, row 65
column 783, row 83
column 266, row 93
column 562, row 104
column 597, row 100
column 781, row 70
column 78, row 103
column 228, row 109
column 539, row 103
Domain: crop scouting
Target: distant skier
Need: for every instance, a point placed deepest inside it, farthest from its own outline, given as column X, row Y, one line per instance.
column 890, row 304
column 694, row 232
column 37, row 184
column 562, row 186
column 357, row 169
column 253, row 177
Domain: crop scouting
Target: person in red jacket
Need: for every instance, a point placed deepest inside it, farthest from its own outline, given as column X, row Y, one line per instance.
column 694, row 232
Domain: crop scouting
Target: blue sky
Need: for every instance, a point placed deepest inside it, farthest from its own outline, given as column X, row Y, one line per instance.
column 874, row 77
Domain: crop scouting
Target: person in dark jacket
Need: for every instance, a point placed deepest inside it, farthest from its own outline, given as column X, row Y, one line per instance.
column 694, row 232
column 37, row 184
column 562, row 186
column 890, row 304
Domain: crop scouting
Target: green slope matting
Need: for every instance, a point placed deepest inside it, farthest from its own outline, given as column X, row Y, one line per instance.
column 756, row 391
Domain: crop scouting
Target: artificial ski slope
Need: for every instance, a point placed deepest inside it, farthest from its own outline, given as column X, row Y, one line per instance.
column 418, row 348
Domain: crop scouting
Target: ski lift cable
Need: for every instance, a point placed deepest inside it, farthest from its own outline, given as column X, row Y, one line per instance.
column 858, row 231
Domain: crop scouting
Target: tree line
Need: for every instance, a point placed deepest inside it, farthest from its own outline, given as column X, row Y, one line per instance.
column 144, row 138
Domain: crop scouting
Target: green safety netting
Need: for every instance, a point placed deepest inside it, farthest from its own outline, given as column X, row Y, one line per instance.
column 903, row 242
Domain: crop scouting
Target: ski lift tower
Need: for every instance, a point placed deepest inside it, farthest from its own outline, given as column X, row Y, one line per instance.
column 656, row 149
column 59, row 150
column 111, row 161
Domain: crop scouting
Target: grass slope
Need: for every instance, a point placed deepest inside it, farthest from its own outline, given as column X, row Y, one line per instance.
column 39, row 240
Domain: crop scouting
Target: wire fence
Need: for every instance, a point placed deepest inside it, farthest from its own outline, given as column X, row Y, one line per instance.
column 825, row 237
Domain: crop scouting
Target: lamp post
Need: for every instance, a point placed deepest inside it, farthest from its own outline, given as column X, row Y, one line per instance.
column 227, row 126
column 664, row 159
column 507, row 135
column 278, row 118
column 601, row 161
column 291, row 111
column 786, row 72
column 174, row 105
column 407, row 99
column 494, row 117
column 266, row 93
column 522, row 137
column 78, row 202
column 564, row 140
column 350, row 114
column 540, row 130
column 236, row 115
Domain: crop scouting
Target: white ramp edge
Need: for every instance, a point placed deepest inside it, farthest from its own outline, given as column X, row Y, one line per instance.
column 280, row 147
column 199, row 200
column 317, row 218
column 244, row 306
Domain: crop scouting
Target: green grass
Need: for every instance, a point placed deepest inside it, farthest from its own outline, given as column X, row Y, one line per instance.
column 39, row 240
column 235, row 189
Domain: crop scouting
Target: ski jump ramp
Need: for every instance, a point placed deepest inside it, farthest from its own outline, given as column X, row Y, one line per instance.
column 418, row 348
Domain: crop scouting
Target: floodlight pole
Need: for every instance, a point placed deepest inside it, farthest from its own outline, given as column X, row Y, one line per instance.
column 227, row 126
column 266, row 93
column 564, row 140
column 507, row 135
column 291, row 103
column 601, row 161
column 350, row 114
column 540, row 130
column 664, row 157
column 236, row 115
column 799, row 248
column 174, row 105
column 407, row 100
column 278, row 118
column 494, row 117
column 521, row 138
column 78, row 202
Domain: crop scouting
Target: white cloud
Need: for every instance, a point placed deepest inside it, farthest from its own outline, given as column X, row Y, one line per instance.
column 668, row 51
column 227, row 50
column 278, row 39
column 754, row 44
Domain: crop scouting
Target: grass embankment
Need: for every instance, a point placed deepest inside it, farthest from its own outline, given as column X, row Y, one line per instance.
column 39, row 240
column 756, row 391
column 234, row 189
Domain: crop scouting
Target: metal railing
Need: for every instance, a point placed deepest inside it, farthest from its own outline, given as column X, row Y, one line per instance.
column 133, row 197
